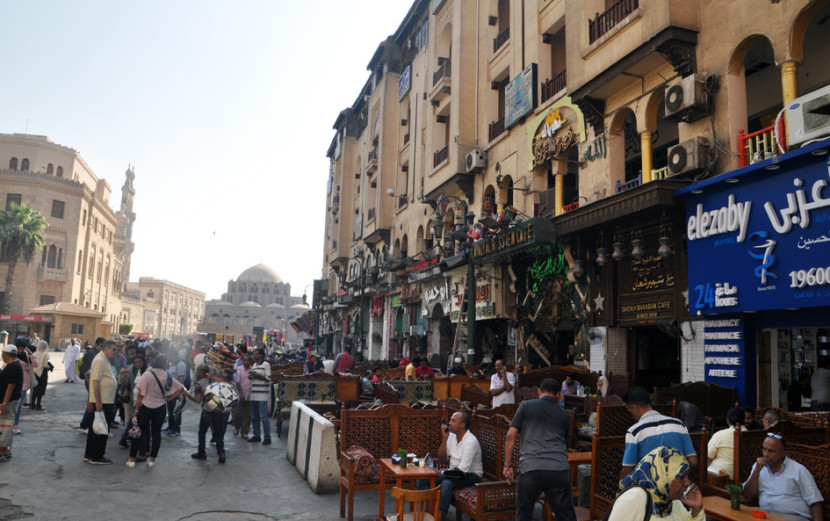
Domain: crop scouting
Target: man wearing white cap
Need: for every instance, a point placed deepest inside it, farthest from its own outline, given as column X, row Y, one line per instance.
column 11, row 382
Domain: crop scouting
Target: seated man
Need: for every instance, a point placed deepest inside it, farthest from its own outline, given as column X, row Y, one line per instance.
column 652, row 430
column 783, row 487
column 458, row 367
column 771, row 417
column 464, row 452
column 423, row 370
column 569, row 386
column 750, row 422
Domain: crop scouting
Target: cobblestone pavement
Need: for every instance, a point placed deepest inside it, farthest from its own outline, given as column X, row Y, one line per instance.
column 48, row 480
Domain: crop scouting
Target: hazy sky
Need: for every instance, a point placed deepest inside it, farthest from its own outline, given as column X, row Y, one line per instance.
column 225, row 109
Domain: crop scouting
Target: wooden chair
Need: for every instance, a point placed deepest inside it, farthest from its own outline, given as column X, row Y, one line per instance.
column 424, row 504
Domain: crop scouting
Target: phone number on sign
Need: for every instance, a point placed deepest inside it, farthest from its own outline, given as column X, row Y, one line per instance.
column 811, row 277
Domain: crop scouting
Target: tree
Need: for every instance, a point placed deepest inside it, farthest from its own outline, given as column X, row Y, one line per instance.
column 22, row 233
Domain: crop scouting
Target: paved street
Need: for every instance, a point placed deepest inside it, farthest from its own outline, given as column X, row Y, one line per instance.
column 47, row 478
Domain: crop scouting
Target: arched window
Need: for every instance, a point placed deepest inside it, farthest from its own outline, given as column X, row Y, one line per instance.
column 60, row 171
column 13, row 163
column 50, row 169
column 52, row 259
column 24, row 165
column 60, row 258
column 43, row 257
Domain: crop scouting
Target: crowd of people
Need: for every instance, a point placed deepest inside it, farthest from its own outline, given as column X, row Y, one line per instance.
column 136, row 387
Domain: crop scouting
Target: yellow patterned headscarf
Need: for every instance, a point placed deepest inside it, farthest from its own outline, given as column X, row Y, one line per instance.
column 654, row 473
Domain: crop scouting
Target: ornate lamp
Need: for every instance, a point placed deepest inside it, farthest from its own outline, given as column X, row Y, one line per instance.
column 618, row 253
column 602, row 260
column 664, row 250
column 637, row 250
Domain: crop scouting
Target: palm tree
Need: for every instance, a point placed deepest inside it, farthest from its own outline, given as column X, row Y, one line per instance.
column 22, row 233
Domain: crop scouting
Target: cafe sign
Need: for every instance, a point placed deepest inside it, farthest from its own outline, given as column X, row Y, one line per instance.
column 539, row 230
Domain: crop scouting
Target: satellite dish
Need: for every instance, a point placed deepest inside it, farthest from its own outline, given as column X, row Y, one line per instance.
column 595, row 336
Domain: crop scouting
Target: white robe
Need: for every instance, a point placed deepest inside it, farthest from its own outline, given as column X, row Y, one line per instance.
column 70, row 357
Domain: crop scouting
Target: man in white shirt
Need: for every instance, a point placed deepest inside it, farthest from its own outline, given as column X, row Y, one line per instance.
column 501, row 385
column 464, row 453
column 260, row 375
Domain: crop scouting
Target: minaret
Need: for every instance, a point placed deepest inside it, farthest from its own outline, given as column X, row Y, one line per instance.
column 126, row 218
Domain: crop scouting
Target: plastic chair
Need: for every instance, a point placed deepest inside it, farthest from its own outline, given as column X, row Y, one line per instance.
column 419, row 501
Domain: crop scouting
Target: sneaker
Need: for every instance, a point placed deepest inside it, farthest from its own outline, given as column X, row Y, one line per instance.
column 17, row 430
column 100, row 461
column 5, row 457
column 212, row 440
column 150, row 463
column 199, row 455
column 86, row 458
column 236, row 432
column 124, row 444
column 266, row 441
column 130, row 464
column 176, row 433
column 254, row 438
column 222, row 457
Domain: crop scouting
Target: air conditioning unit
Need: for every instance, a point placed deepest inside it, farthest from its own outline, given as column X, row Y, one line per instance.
column 686, row 101
column 808, row 117
column 689, row 156
column 476, row 160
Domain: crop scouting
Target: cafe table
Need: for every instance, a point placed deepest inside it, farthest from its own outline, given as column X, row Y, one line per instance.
column 410, row 473
column 720, row 509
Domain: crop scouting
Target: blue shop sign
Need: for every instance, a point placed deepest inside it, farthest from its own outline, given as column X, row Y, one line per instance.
column 759, row 238
column 723, row 343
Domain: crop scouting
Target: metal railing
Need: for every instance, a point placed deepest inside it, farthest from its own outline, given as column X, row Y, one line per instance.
column 570, row 207
column 659, row 173
column 442, row 72
column 553, row 85
column 373, row 154
column 501, row 39
column 496, row 129
column 628, row 185
column 760, row 145
column 440, row 156
column 604, row 22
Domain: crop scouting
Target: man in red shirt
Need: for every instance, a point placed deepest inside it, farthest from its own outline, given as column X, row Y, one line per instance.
column 344, row 361
column 424, row 370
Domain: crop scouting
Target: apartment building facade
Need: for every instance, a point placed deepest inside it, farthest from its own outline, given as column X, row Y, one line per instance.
column 529, row 162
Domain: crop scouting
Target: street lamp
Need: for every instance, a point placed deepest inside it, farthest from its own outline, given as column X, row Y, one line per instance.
column 471, row 279
column 362, row 284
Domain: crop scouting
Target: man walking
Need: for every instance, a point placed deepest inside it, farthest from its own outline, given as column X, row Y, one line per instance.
column 102, row 388
column 260, row 374
column 543, row 455
column 11, row 382
column 86, row 364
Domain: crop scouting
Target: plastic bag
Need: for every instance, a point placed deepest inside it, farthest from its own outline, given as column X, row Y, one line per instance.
column 99, row 424
column 135, row 430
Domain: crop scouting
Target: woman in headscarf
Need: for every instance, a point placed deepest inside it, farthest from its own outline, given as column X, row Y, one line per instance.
column 603, row 388
column 659, row 488
column 42, row 372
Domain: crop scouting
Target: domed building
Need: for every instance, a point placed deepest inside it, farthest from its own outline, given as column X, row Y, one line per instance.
column 257, row 299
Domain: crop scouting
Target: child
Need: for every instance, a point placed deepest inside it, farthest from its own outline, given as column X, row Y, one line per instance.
column 216, row 421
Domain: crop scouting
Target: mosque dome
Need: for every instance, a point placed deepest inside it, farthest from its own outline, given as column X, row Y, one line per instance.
column 259, row 273
column 275, row 305
column 303, row 307
column 250, row 304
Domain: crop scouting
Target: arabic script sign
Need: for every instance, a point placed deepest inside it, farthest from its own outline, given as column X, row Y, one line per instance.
column 763, row 243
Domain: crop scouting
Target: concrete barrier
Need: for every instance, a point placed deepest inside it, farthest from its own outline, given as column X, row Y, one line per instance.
column 312, row 449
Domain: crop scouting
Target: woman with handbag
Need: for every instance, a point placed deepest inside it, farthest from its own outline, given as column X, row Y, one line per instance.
column 155, row 389
column 128, row 393
column 28, row 365
column 43, row 366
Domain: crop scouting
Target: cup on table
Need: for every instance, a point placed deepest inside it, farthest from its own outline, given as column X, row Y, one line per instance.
column 410, row 457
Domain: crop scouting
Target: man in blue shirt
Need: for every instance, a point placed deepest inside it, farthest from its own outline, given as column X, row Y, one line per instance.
column 651, row 431
column 783, row 486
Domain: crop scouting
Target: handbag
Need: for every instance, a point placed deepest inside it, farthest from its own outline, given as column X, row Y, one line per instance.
column 135, row 430
column 455, row 473
column 32, row 375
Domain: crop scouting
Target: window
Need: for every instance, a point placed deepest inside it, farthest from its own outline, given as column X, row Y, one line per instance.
column 50, row 169
column 57, row 208
column 77, row 329
column 80, row 261
column 13, row 163
column 83, row 220
column 24, row 165
column 13, row 199
column 60, row 171
column 52, row 258
column 45, row 300
column 60, row 259
column 91, row 270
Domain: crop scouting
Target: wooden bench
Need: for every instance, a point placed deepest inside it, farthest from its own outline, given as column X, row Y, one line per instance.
column 816, row 459
column 385, row 392
column 476, row 396
column 451, row 386
column 407, row 392
column 381, row 432
column 712, row 399
column 312, row 388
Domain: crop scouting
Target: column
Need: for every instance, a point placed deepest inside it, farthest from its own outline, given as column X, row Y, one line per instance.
column 646, row 155
column 789, row 81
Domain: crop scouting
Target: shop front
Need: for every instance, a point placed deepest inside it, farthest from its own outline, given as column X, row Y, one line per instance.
column 759, row 271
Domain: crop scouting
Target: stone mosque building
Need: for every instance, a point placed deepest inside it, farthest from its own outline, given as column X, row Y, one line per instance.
column 257, row 299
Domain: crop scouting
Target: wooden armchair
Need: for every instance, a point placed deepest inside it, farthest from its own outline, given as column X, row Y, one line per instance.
column 420, row 501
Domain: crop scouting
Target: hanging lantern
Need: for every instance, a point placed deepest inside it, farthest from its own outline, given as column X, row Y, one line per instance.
column 579, row 269
column 665, row 247
column 637, row 250
column 601, row 258
column 618, row 253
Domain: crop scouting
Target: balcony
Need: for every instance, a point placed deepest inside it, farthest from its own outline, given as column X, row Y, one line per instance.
column 570, row 207
column 760, row 145
column 501, row 39
column 606, row 21
column 496, row 129
column 44, row 273
column 440, row 156
column 658, row 174
column 442, row 72
column 628, row 185
column 372, row 161
column 553, row 85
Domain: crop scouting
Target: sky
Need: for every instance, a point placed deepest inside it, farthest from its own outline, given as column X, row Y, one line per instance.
column 223, row 108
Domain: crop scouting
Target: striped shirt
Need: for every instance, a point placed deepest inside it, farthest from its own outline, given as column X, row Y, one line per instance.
column 652, row 431
column 260, row 389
